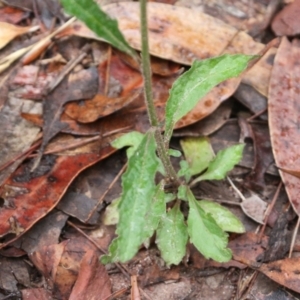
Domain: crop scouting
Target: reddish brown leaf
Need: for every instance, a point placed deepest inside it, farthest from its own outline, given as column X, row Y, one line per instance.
column 209, row 124
column 246, row 249
column 98, row 107
column 177, row 33
column 47, row 260
column 284, row 112
column 36, row 294
column 285, row 272
column 287, row 21
column 12, row 15
column 93, row 281
column 60, row 264
column 29, row 196
column 159, row 66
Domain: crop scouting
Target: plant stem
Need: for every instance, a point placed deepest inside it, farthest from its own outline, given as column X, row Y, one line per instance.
column 146, row 67
column 147, row 75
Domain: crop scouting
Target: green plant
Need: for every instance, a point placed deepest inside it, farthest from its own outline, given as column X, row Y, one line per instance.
column 142, row 207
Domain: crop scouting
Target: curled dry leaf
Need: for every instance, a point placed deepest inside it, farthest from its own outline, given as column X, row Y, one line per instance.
column 284, row 111
column 98, row 107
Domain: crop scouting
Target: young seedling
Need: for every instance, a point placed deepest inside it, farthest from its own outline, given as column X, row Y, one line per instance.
column 143, row 205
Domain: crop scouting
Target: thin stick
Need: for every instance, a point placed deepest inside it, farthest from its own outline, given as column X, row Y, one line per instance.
column 106, row 192
column 268, row 211
column 294, row 238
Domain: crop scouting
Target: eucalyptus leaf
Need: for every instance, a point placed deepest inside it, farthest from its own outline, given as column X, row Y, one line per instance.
column 194, row 84
column 98, row 21
column 136, row 200
column 172, row 236
column 198, row 153
column 223, row 216
column 205, row 233
column 224, row 162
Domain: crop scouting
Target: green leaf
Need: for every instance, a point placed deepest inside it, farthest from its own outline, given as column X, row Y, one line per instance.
column 174, row 153
column 136, row 199
column 131, row 139
column 198, row 153
column 98, row 21
column 224, row 161
column 182, row 192
column 205, row 233
column 157, row 210
column 171, row 236
column 223, row 216
column 170, row 197
column 185, row 170
column 194, row 84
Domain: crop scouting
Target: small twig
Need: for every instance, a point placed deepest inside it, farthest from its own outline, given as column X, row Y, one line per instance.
column 67, row 69
column 294, row 237
column 268, row 211
column 117, row 293
column 257, row 114
column 107, row 74
column 236, row 189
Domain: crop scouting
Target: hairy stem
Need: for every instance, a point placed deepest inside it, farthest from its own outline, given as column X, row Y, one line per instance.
column 147, row 74
column 146, row 67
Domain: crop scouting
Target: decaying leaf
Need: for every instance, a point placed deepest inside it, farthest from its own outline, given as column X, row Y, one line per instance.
column 284, row 111
column 39, row 191
column 254, row 207
column 178, row 33
column 285, row 272
column 287, row 21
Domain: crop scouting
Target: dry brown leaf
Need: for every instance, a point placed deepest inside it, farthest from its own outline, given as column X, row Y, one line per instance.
column 10, row 31
column 287, row 21
column 176, row 33
column 254, row 207
column 285, row 272
column 93, row 281
column 284, row 112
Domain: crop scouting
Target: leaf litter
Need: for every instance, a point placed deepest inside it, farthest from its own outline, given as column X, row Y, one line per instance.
column 108, row 103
